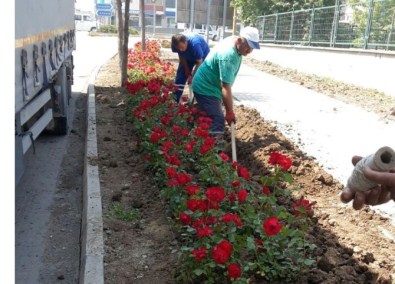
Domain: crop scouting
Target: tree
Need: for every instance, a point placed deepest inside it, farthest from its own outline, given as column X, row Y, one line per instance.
column 251, row 9
column 142, row 17
column 123, row 38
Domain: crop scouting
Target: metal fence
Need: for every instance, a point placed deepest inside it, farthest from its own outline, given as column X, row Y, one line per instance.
column 368, row 25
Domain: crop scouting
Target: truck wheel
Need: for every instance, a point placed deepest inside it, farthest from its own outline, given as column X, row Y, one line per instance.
column 60, row 125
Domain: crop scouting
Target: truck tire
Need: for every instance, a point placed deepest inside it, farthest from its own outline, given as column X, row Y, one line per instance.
column 60, row 126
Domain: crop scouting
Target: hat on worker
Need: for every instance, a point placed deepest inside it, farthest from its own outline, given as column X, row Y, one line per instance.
column 251, row 34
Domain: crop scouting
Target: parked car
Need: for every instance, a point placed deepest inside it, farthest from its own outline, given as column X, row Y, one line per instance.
column 85, row 21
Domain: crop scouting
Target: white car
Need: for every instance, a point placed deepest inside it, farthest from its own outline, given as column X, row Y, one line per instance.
column 85, row 21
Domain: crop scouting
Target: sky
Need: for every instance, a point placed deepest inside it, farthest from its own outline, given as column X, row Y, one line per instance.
column 88, row 5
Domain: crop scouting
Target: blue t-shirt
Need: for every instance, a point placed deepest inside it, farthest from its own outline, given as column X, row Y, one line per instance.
column 221, row 65
column 197, row 48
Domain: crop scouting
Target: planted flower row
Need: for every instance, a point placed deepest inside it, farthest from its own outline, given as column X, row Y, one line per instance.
column 232, row 228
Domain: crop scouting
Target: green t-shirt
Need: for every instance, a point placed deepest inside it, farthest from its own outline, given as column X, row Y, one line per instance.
column 221, row 65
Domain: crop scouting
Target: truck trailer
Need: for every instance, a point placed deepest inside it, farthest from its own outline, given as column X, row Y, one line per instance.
column 44, row 44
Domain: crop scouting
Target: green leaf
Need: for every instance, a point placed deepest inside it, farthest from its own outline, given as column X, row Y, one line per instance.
column 288, row 177
column 198, row 271
column 309, row 262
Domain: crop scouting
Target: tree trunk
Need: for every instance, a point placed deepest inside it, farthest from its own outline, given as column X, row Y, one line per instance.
column 120, row 33
column 142, row 17
column 125, row 42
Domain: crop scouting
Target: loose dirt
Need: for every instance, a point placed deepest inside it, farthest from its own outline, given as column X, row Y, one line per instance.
column 140, row 246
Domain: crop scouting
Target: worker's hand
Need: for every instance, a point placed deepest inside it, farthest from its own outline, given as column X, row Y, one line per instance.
column 190, row 77
column 230, row 117
column 187, row 72
column 384, row 192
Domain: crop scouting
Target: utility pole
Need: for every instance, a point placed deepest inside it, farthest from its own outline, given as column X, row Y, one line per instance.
column 208, row 21
column 192, row 15
column 154, row 1
column 142, row 16
column 224, row 19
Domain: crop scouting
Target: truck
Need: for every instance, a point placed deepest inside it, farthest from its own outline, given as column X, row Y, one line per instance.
column 45, row 39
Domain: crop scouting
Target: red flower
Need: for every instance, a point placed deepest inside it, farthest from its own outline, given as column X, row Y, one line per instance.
column 215, row 194
column 266, row 190
column 183, row 178
column 224, row 156
column 185, row 219
column 303, row 207
column 211, row 220
column 229, row 217
column 196, row 204
column 165, row 120
column 155, row 137
column 234, row 271
column 234, row 165
column 236, row 183
column 279, row 159
column 176, row 130
column 192, row 189
column 204, row 232
column 232, row 197
column 201, row 132
column 243, row 172
column 173, row 160
column 198, row 223
column 171, row 172
column 189, row 147
column 272, row 226
column 222, row 252
column 200, row 253
column 242, row 195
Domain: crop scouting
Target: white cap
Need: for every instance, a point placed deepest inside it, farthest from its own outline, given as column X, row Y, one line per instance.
column 251, row 34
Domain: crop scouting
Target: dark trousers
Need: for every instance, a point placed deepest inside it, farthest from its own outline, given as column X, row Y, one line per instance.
column 213, row 108
column 181, row 78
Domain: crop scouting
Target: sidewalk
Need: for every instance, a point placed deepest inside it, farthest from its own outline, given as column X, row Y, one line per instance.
column 325, row 128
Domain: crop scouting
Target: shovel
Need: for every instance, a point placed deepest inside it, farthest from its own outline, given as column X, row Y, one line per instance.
column 190, row 95
column 233, row 137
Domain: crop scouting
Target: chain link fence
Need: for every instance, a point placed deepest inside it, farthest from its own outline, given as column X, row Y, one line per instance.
column 367, row 25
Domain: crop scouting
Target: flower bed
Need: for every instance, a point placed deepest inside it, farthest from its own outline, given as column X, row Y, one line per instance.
column 232, row 228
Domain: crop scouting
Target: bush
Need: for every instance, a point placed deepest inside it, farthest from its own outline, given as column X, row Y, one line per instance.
column 108, row 29
column 112, row 29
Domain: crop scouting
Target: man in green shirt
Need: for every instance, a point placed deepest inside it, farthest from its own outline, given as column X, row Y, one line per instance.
column 212, row 83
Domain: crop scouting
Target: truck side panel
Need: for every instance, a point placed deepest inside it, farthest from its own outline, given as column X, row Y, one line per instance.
column 44, row 43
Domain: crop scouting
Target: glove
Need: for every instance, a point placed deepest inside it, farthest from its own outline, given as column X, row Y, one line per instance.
column 230, row 117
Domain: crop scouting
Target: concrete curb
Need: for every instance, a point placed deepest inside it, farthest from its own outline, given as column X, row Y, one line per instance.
column 92, row 250
column 92, row 245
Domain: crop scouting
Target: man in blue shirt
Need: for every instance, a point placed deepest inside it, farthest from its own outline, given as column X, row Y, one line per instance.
column 192, row 49
column 213, row 82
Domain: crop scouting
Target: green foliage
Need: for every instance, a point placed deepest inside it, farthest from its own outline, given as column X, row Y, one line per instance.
column 112, row 29
column 132, row 215
column 249, row 10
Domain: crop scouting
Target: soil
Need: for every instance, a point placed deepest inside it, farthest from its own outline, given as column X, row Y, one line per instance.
column 142, row 248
